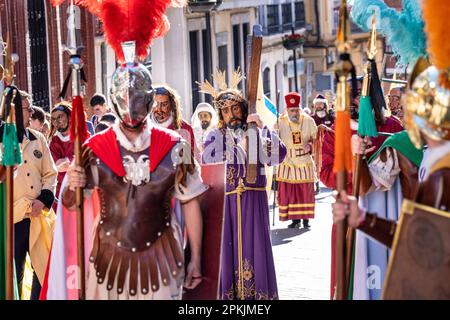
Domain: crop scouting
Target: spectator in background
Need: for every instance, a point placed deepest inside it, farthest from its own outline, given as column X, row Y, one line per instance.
column 37, row 118
column 99, row 107
column 46, row 129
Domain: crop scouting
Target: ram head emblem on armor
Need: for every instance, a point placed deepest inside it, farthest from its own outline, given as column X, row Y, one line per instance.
column 138, row 172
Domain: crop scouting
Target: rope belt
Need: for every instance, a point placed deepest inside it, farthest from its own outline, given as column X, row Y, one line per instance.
column 240, row 189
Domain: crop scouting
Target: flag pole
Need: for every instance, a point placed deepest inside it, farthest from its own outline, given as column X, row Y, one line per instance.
column 274, row 179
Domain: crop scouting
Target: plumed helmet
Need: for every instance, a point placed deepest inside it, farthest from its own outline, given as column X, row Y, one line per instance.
column 428, row 98
column 131, row 91
column 427, row 105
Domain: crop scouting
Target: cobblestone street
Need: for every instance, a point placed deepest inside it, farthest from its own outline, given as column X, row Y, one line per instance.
column 302, row 257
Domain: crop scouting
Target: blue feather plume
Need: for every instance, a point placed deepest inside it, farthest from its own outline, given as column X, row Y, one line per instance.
column 403, row 30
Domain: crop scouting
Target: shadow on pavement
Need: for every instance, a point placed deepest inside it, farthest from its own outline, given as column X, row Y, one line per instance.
column 281, row 236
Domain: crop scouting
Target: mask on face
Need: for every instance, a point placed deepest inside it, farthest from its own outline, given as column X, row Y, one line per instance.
column 321, row 113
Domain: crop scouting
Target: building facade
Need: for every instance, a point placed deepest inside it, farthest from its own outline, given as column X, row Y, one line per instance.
column 37, row 33
column 181, row 58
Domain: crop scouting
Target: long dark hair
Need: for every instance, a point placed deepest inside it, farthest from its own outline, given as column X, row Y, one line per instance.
column 17, row 108
column 376, row 94
column 175, row 103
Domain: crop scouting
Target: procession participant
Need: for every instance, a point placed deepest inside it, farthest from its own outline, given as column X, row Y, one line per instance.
column 296, row 174
column 423, row 100
column 247, row 266
column 34, row 193
column 327, row 176
column 61, row 147
column 130, row 173
column 321, row 113
column 395, row 103
column 166, row 113
column 203, row 121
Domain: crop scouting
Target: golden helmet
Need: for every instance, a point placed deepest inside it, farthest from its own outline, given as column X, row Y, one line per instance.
column 427, row 104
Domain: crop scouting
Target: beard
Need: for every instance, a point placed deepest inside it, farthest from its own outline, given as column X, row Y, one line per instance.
column 205, row 124
column 161, row 116
column 62, row 130
column 293, row 119
column 235, row 123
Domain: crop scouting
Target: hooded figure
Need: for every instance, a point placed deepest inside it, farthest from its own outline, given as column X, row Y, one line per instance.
column 200, row 123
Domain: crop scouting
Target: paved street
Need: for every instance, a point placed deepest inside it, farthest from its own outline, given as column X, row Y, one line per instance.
column 302, row 257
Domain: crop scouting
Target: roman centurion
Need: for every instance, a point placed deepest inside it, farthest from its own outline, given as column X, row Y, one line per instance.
column 131, row 174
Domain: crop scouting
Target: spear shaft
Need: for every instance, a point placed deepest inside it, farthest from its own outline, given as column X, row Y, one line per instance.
column 75, row 63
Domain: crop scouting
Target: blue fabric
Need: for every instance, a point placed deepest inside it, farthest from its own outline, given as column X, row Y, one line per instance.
column 386, row 204
column 90, row 127
column 271, row 106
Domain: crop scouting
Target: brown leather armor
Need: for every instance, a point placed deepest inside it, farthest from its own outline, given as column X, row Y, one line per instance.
column 432, row 192
column 134, row 231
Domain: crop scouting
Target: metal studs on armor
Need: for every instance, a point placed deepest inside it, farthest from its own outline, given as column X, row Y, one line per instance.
column 159, row 234
column 101, row 222
column 165, row 281
column 100, row 280
column 119, row 244
column 179, row 264
column 168, row 224
column 91, row 259
column 174, row 273
column 148, row 244
column 109, row 287
column 154, row 287
column 133, row 249
column 144, row 291
column 108, row 234
column 132, row 292
column 119, row 290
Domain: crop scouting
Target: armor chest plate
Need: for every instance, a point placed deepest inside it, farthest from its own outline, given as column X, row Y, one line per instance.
column 135, row 210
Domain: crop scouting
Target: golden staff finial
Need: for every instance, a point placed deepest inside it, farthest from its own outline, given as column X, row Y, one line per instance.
column 372, row 47
column 7, row 71
column 343, row 31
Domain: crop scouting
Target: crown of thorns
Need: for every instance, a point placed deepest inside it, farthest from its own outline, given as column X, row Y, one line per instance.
column 225, row 92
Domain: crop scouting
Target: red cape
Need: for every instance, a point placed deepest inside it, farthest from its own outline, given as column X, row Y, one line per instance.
column 106, row 148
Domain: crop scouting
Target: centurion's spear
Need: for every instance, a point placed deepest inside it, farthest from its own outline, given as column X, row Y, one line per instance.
column 78, row 134
column 366, row 120
column 343, row 158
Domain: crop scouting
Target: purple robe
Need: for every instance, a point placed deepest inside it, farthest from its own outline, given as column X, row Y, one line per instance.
column 248, row 273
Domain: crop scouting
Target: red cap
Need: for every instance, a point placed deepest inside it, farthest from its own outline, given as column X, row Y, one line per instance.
column 293, row 100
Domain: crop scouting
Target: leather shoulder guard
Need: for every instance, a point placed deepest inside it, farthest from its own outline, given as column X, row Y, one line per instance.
column 433, row 192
